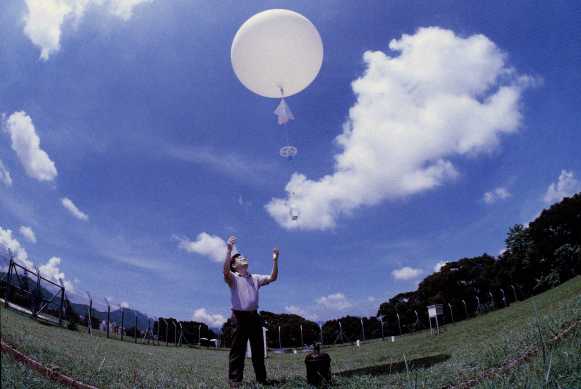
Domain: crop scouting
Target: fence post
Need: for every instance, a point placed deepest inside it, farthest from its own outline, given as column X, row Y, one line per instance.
column 451, row 312
column 35, row 295
column 166, row 332
column 279, row 339
column 398, row 323
column 108, row 316
column 90, row 319
column 175, row 333
column 135, row 332
column 122, row 322
column 61, row 310
column 8, row 295
column 302, row 340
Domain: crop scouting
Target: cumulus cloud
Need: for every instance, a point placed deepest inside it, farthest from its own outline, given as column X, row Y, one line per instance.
column 406, row 273
column 5, row 176
column 124, row 304
column 213, row 320
column 210, row 246
column 438, row 266
column 28, row 233
column 73, row 209
column 495, row 195
column 434, row 97
column 51, row 270
column 44, row 19
column 26, row 144
column 9, row 242
column 566, row 186
column 296, row 310
column 336, row 301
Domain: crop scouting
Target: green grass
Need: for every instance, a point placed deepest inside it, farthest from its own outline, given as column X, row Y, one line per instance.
column 467, row 348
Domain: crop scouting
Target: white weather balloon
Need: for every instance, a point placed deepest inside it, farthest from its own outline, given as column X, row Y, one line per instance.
column 277, row 53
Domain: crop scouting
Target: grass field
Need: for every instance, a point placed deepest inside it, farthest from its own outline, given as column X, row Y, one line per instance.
column 461, row 352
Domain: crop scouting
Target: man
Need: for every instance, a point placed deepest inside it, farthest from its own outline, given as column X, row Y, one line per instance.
column 247, row 323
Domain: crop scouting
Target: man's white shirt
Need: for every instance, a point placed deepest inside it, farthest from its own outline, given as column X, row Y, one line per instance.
column 244, row 290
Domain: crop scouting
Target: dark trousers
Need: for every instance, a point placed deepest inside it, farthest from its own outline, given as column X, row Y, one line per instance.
column 247, row 326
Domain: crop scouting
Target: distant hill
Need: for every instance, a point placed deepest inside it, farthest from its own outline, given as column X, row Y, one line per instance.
column 129, row 316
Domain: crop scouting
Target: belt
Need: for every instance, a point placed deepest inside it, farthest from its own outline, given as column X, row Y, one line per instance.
column 244, row 312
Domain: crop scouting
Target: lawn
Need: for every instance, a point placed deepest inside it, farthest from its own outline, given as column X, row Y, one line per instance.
column 462, row 351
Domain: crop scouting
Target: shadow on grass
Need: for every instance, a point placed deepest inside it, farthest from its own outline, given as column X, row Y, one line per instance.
column 395, row 367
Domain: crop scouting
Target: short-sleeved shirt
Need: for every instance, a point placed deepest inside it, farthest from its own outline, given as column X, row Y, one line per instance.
column 244, row 291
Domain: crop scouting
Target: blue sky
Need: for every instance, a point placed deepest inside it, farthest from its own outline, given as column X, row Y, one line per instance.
column 144, row 127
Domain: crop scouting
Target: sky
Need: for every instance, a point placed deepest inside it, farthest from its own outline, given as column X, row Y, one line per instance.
column 129, row 150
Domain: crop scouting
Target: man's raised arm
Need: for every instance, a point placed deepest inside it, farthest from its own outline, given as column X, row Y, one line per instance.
column 274, row 274
column 227, row 262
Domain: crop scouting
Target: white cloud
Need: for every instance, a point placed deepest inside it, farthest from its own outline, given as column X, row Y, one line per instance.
column 52, row 271
column 27, row 233
column 406, row 273
column 124, row 304
column 26, row 144
column 213, row 320
column 124, row 8
column 237, row 166
column 205, row 244
column 566, row 186
column 5, row 176
column 72, row 208
column 438, row 266
column 44, row 19
column 495, row 195
column 438, row 97
column 336, row 301
column 296, row 310
column 371, row 299
column 8, row 242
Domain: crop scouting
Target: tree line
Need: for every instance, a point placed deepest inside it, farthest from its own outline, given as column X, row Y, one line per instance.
column 537, row 257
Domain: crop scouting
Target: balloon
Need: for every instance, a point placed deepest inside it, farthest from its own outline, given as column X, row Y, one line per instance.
column 277, row 53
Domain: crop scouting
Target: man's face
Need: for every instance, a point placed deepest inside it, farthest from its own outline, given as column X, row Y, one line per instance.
column 241, row 265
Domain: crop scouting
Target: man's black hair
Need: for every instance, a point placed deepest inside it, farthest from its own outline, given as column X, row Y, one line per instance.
column 232, row 259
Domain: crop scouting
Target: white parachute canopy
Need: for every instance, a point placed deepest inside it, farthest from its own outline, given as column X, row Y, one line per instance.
column 277, row 53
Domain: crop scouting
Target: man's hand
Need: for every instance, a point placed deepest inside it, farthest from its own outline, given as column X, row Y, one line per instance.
column 275, row 253
column 231, row 242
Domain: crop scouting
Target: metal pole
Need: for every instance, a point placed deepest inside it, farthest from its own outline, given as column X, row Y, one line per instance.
column 279, row 339
column 175, row 333
column 166, row 334
column 62, row 302
column 514, row 292
column 302, row 341
column 122, row 322
column 135, row 332
column 37, row 293
column 465, row 308
column 108, row 316
column 90, row 321
column 8, row 295
column 362, row 330
column 451, row 312
column 199, row 334
column 321, row 332
column 340, row 330
column 398, row 322
column 381, row 321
